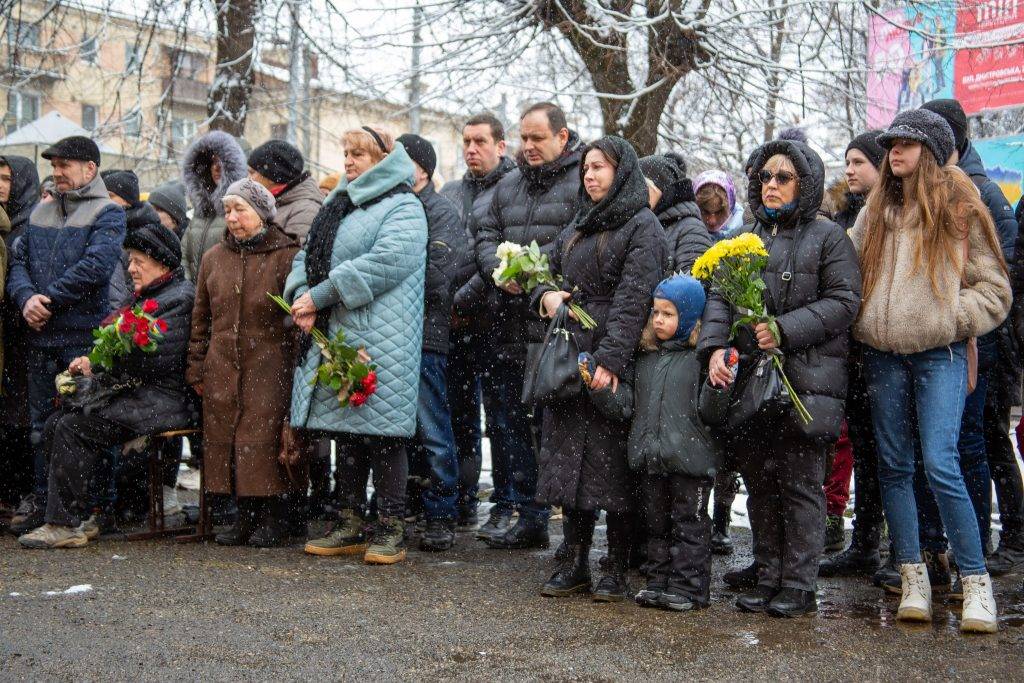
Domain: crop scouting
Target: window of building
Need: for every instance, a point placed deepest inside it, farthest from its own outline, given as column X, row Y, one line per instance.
column 133, row 124
column 279, row 131
column 89, row 116
column 89, row 51
column 22, row 108
column 132, row 57
column 188, row 64
column 182, row 131
column 22, row 34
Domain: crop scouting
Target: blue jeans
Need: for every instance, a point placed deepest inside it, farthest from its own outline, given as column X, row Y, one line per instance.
column 933, row 385
column 464, row 402
column 513, row 456
column 435, row 438
column 43, row 364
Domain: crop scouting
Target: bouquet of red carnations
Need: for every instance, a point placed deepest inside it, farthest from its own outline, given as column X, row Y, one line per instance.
column 136, row 327
column 346, row 370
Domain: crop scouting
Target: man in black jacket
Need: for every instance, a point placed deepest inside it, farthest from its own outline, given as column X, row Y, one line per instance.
column 998, row 365
column 483, row 148
column 435, row 442
column 533, row 203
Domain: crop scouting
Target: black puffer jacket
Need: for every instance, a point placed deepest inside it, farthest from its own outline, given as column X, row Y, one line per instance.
column 847, row 214
column 615, row 255
column 688, row 237
column 445, row 247
column 529, row 204
column 161, row 402
column 667, row 436
column 813, row 281
column 472, row 196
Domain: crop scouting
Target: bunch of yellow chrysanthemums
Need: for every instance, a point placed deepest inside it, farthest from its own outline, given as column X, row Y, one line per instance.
column 734, row 267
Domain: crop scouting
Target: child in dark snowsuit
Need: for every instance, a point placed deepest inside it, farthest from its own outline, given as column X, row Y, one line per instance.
column 673, row 451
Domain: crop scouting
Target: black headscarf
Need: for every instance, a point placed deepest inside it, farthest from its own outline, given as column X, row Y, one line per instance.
column 24, row 192
column 627, row 195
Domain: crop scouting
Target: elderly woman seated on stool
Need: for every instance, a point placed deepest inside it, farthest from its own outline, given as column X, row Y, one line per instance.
column 143, row 393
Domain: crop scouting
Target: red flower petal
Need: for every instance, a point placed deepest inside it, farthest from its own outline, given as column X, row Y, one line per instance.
column 150, row 306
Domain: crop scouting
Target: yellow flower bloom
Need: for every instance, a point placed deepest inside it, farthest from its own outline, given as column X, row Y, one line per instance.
column 746, row 245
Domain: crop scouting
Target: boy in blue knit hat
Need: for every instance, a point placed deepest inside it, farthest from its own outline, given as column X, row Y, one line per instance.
column 673, row 451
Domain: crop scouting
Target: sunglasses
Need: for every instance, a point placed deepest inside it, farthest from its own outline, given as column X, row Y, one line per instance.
column 781, row 178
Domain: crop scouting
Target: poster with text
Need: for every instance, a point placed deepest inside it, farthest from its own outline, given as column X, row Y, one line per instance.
column 989, row 64
column 910, row 58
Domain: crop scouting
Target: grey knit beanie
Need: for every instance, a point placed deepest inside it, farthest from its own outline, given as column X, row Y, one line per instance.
column 256, row 196
column 923, row 126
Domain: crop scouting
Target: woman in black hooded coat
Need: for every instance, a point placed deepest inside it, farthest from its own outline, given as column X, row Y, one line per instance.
column 610, row 257
column 813, row 288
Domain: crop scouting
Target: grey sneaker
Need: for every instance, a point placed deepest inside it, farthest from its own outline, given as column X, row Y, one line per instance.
column 50, row 536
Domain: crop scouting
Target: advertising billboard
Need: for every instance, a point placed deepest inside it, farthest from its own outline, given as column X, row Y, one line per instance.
column 1004, row 163
column 989, row 65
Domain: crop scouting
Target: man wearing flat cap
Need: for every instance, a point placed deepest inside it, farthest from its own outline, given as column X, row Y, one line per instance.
column 59, row 279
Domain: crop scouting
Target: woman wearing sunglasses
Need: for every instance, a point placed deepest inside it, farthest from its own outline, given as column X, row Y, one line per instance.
column 813, row 289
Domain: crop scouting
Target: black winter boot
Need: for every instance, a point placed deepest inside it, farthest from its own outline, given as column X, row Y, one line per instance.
column 572, row 576
column 528, row 532
column 851, row 562
column 741, row 578
column 792, row 602
column 273, row 530
column 439, row 534
column 245, row 521
column 721, row 544
column 612, row 586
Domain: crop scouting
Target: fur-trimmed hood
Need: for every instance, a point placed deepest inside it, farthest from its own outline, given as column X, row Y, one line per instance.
column 195, row 171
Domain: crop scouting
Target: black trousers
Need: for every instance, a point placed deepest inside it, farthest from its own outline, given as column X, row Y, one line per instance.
column 783, row 471
column 1002, row 461
column 578, row 530
column 386, row 457
column 678, row 535
column 74, row 444
column 464, row 402
column 15, row 464
column 867, row 501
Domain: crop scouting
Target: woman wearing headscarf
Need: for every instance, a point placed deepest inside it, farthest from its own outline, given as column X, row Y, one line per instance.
column 241, row 359
column 813, row 290
column 715, row 193
column 362, row 271
column 610, row 258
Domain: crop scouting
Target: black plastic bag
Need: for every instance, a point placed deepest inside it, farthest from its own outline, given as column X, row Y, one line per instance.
column 552, row 367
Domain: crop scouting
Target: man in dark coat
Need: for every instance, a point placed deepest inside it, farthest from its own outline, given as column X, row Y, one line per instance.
column 60, row 277
column 533, row 203
column 279, row 167
column 998, row 360
column 148, row 392
column 475, row 303
column 863, row 162
column 169, row 201
column 435, row 442
column 123, row 190
column 812, row 283
column 15, row 445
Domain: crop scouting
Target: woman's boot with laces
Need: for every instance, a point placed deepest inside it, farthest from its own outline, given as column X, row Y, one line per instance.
column 979, row 613
column 916, row 603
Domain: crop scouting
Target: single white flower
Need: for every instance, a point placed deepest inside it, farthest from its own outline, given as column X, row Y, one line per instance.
column 508, row 250
column 496, row 274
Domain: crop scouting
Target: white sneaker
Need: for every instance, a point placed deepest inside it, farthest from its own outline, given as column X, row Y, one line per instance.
column 916, row 604
column 979, row 614
column 171, row 505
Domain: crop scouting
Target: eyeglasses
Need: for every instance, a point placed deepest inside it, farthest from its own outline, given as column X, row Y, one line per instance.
column 781, row 178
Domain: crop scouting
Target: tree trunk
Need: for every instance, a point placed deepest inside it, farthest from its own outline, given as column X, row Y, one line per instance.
column 228, row 102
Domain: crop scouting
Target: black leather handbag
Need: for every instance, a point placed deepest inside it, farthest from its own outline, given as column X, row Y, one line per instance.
column 759, row 391
column 552, row 367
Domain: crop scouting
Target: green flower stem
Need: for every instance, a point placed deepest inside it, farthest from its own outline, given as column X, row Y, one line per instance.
column 797, row 403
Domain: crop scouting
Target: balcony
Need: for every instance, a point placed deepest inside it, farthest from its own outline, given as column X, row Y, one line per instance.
column 27, row 66
column 186, row 90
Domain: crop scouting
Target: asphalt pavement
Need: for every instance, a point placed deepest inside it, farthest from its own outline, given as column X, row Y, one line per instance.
column 163, row 611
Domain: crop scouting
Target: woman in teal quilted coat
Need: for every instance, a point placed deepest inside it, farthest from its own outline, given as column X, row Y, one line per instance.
column 362, row 270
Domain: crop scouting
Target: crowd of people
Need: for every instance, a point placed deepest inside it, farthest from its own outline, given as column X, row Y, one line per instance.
column 892, row 296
